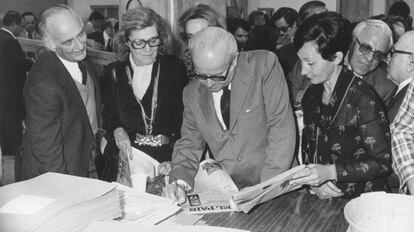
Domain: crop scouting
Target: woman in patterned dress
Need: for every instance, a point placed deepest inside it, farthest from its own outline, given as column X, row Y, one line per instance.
column 346, row 140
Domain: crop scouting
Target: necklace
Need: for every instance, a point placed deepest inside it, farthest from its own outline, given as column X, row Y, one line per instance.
column 148, row 121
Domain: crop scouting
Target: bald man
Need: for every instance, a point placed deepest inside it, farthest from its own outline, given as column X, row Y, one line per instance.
column 62, row 101
column 401, row 71
column 238, row 106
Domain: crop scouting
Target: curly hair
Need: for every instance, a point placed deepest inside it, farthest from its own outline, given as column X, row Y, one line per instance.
column 137, row 19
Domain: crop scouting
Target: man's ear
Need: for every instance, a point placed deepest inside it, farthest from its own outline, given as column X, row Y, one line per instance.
column 411, row 64
column 339, row 56
column 49, row 43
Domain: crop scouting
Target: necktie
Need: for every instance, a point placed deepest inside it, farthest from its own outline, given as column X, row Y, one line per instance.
column 83, row 70
column 109, row 46
column 225, row 106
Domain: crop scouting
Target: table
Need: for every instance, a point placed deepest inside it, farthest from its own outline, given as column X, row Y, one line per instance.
column 296, row 211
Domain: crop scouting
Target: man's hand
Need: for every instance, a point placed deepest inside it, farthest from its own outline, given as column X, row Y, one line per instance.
column 122, row 141
column 327, row 191
column 410, row 186
column 175, row 192
column 314, row 175
column 164, row 168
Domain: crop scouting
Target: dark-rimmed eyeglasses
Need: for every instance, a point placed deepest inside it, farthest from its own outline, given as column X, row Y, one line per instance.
column 367, row 49
column 141, row 43
column 283, row 29
column 395, row 51
column 198, row 76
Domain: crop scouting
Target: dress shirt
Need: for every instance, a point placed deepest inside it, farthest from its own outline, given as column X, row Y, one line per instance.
column 402, row 139
column 217, row 106
column 141, row 78
column 73, row 69
column 106, row 39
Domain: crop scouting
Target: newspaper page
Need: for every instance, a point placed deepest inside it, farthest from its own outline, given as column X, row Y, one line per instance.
column 213, row 188
column 249, row 197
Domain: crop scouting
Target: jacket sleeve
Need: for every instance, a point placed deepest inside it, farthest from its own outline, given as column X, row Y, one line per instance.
column 375, row 138
column 282, row 134
column 189, row 148
column 110, row 113
column 44, row 128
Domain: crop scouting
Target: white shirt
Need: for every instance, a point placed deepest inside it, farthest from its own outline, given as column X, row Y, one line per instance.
column 106, row 38
column 402, row 85
column 4, row 29
column 141, row 78
column 217, row 106
column 73, row 69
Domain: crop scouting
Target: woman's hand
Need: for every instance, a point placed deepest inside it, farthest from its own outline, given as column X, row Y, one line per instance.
column 122, row 141
column 327, row 191
column 314, row 175
column 164, row 168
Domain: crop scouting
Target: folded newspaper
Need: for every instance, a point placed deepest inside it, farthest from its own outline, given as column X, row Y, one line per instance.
column 215, row 191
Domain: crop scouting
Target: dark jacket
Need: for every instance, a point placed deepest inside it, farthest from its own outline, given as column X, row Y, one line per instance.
column 395, row 104
column 351, row 132
column 121, row 109
column 59, row 136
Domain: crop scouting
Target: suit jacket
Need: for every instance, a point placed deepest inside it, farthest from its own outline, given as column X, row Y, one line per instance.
column 351, row 132
column 395, row 104
column 287, row 57
column 59, row 136
column 261, row 137
column 382, row 85
column 121, row 109
column 13, row 68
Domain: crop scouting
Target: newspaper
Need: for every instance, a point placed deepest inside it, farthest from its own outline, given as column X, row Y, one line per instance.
column 215, row 191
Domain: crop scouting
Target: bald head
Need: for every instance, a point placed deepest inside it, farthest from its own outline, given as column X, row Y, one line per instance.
column 401, row 60
column 407, row 41
column 212, row 49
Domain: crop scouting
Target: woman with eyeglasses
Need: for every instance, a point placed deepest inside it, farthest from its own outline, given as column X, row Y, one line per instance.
column 143, row 92
column 346, row 140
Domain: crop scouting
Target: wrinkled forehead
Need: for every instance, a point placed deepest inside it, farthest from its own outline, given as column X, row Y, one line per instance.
column 374, row 37
column 210, row 62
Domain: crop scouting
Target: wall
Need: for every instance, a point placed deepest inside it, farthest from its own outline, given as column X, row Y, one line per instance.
column 83, row 7
column 36, row 6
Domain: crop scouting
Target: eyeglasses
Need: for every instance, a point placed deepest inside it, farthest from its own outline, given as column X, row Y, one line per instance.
column 283, row 29
column 395, row 51
column 141, row 43
column 367, row 49
column 212, row 77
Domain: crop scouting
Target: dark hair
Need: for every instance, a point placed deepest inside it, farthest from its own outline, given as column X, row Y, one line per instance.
column 329, row 31
column 253, row 16
column 234, row 23
column 95, row 15
column 260, row 39
column 202, row 11
column 12, row 17
column 401, row 8
column 28, row 13
column 136, row 19
column 305, row 10
column 290, row 15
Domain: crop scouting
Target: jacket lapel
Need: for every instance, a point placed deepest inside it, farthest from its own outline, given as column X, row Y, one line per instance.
column 239, row 89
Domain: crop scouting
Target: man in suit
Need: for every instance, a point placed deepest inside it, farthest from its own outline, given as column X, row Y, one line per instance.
column 29, row 26
column 238, row 106
column 104, row 39
column 62, row 101
column 13, row 68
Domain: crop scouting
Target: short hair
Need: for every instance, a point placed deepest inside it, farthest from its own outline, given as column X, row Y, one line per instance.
column 385, row 29
column 305, row 9
column 136, row 19
column 45, row 15
column 290, row 15
column 28, row 13
column 202, row 11
column 400, row 8
column 329, row 31
column 12, row 17
column 254, row 15
column 391, row 21
column 96, row 15
column 214, row 37
column 234, row 23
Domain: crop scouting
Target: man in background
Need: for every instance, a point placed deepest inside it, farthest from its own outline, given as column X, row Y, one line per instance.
column 62, row 101
column 29, row 26
column 104, row 39
column 96, row 20
column 13, row 68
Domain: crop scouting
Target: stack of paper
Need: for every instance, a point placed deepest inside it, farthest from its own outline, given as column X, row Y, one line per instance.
column 57, row 202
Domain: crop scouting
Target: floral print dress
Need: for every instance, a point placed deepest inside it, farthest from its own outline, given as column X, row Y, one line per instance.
column 351, row 132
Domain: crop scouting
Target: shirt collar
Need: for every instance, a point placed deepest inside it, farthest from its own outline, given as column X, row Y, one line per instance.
column 4, row 29
column 403, row 84
column 72, row 68
column 106, row 36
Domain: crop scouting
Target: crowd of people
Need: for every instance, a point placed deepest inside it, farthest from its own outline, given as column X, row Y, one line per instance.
column 231, row 94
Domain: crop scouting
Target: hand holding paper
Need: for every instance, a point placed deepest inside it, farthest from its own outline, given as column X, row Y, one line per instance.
column 314, row 175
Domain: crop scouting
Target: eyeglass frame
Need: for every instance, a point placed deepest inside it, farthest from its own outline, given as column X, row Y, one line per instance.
column 283, row 29
column 214, row 77
column 134, row 46
column 395, row 51
column 367, row 47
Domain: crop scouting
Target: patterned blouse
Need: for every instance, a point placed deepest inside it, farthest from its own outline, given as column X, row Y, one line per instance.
column 351, row 132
